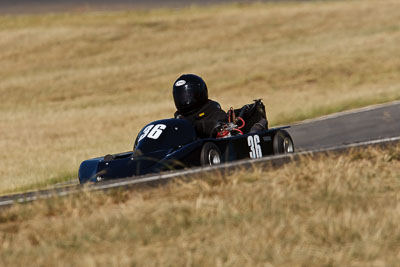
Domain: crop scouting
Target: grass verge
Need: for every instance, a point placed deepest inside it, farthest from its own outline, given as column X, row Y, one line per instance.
column 77, row 86
column 330, row 211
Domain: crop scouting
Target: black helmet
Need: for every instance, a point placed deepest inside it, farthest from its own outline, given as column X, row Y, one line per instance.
column 190, row 92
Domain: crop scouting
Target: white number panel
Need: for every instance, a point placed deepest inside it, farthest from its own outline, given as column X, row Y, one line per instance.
column 152, row 131
column 254, row 144
column 156, row 131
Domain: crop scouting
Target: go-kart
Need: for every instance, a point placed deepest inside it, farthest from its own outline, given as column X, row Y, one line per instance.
column 172, row 144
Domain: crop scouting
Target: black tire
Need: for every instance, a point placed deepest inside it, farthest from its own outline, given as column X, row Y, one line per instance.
column 282, row 142
column 210, row 155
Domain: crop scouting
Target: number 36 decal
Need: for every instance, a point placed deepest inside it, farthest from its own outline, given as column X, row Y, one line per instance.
column 255, row 148
column 153, row 131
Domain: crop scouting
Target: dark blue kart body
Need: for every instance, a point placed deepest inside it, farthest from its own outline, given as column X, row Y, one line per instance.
column 172, row 145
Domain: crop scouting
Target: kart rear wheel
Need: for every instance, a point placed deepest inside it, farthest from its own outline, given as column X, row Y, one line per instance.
column 282, row 142
column 210, row 155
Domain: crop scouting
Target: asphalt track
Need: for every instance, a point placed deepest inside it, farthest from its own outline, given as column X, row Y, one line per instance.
column 336, row 133
column 162, row 178
column 370, row 123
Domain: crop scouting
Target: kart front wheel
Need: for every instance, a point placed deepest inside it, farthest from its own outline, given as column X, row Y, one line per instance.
column 210, row 155
column 282, row 142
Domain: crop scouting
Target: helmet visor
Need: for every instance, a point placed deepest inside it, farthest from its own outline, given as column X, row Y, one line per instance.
column 184, row 98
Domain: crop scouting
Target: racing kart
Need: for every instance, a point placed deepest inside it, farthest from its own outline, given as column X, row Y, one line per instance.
column 172, row 144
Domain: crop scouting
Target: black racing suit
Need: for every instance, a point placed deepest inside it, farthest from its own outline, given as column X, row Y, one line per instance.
column 205, row 119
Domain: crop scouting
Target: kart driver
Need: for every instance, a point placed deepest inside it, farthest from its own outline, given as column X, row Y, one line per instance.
column 192, row 103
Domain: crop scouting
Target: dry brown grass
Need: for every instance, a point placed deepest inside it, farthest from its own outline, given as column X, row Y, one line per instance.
column 75, row 86
column 332, row 211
